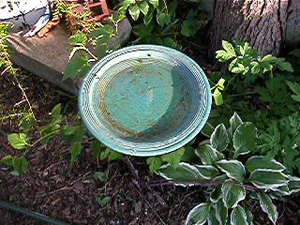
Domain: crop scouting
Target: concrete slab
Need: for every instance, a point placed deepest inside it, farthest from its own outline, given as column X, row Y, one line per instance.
column 47, row 57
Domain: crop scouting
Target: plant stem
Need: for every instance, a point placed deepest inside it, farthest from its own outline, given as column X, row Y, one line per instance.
column 245, row 93
column 205, row 184
column 230, row 81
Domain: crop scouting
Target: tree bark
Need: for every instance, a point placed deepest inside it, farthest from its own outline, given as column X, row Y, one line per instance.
column 265, row 24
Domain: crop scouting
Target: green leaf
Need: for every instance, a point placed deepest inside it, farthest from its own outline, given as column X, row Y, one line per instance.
column 229, row 48
column 155, row 3
column 219, row 138
column 18, row 141
column 103, row 176
column 223, row 56
column 134, row 11
column 100, row 50
column 198, row 215
column 294, row 184
column 238, row 216
column 144, row 7
column 75, row 150
column 267, row 206
column 7, row 160
column 249, row 216
column 184, row 173
column 149, row 16
column 218, row 97
column 169, row 42
column 262, row 162
column 97, row 147
column 212, row 219
column 174, row 157
column 221, row 212
column 208, row 155
column 163, row 19
column 216, row 194
column 269, row 59
column 104, row 32
column 284, row 66
column 234, row 169
column 267, row 179
column 56, row 110
column 244, row 139
column 78, row 66
column 234, row 122
column 207, row 172
column 232, row 194
column 154, row 163
column 296, row 89
column 141, row 30
column 20, row 165
column 239, row 69
column 114, row 155
column 78, row 38
column 103, row 201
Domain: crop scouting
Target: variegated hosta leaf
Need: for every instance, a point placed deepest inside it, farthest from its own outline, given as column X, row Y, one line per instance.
column 268, row 206
column 208, row 155
column 238, row 216
column 221, row 212
column 268, row 179
column 234, row 121
column 234, row 169
column 244, row 139
column 216, row 194
column 212, row 219
column 232, row 195
column 207, row 172
column 249, row 216
column 181, row 175
column 198, row 215
column 281, row 191
column 219, row 138
column 294, row 184
column 261, row 162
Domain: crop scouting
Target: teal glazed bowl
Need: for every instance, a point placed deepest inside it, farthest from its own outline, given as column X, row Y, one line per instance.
column 145, row 100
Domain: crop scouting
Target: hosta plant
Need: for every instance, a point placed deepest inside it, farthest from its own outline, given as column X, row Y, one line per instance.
column 234, row 177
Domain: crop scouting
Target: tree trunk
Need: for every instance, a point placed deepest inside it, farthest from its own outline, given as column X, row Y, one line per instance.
column 266, row 24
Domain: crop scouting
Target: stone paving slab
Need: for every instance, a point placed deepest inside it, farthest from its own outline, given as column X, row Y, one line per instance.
column 47, row 57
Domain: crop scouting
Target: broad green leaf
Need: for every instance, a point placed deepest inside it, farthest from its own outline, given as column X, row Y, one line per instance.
column 75, row 150
column 244, row 139
column 223, row 56
column 239, row 69
column 7, row 160
column 220, row 84
column 238, row 216
column 219, row 138
column 97, row 146
column 78, row 66
column 20, row 165
column 183, row 173
column 114, row 155
column 198, row 215
column 221, row 212
column 67, row 131
column 267, row 179
column 134, row 11
column 234, row 122
column 218, row 97
column 18, row 141
column 269, row 59
column 154, row 163
column 262, row 162
column 103, row 201
column 255, row 69
column 296, row 89
column 144, row 7
column 100, row 50
column 207, row 172
column 212, row 219
column 141, row 30
column 233, row 64
column 173, row 157
column 104, row 32
column 294, row 184
column 56, row 110
column 155, row 3
column 103, row 176
column 216, row 194
column 208, row 155
column 234, row 169
column 228, row 48
column 78, row 38
column 149, row 16
column 267, row 206
column 232, row 194
column 163, row 19
column 169, row 42
column 284, row 66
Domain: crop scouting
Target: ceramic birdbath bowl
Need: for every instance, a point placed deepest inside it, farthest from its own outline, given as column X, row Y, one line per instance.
column 145, row 100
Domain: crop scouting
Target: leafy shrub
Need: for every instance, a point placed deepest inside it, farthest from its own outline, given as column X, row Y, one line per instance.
column 233, row 176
